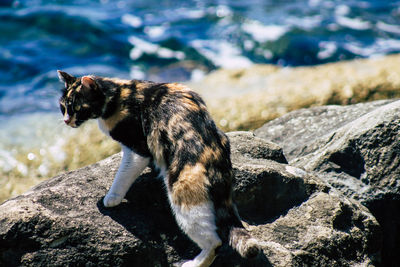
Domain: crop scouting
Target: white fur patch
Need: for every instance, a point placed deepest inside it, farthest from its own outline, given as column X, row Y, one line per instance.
column 198, row 222
column 103, row 127
column 130, row 168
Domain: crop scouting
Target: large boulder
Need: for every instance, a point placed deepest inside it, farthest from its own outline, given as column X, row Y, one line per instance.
column 354, row 148
column 297, row 217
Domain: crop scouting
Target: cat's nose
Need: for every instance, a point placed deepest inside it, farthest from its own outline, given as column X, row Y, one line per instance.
column 67, row 119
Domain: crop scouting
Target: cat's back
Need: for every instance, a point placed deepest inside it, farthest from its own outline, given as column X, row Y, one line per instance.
column 175, row 107
column 169, row 98
column 180, row 130
column 171, row 116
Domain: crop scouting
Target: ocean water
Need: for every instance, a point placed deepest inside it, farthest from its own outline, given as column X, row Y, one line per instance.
column 162, row 40
column 177, row 40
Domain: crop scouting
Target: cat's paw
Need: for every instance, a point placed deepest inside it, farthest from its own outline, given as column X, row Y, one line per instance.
column 112, row 200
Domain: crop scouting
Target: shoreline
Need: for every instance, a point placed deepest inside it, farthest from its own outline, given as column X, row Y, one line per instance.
column 264, row 92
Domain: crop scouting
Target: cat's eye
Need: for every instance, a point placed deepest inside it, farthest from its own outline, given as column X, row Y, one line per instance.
column 62, row 107
column 77, row 107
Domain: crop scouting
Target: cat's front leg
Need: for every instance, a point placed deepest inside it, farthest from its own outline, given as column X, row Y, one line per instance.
column 131, row 167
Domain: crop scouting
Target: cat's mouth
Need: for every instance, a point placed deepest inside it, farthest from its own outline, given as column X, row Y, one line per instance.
column 71, row 121
column 77, row 123
column 73, row 125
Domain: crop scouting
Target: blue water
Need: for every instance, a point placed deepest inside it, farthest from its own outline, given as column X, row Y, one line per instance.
column 177, row 40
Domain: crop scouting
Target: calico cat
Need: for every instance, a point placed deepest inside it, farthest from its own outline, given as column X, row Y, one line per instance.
column 166, row 124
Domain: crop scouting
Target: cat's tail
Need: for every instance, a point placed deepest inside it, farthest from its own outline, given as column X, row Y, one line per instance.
column 241, row 240
column 231, row 230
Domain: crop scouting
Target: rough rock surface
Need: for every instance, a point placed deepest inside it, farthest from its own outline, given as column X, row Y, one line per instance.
column 354, row 148
column 298, row 218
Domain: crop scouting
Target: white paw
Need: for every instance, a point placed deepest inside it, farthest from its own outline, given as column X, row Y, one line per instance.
column 112, row 200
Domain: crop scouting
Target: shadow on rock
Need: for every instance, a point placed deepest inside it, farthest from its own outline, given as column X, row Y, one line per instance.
column 147, row 215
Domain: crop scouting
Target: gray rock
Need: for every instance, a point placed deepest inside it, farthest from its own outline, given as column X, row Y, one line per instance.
column 298, row 218
column 354, row 148
column 325, row 230
column 246, row 144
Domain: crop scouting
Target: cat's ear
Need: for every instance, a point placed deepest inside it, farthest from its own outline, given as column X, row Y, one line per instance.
column 65, row 78
column 88, row 83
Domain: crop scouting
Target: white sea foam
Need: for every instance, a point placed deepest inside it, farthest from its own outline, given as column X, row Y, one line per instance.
column 193, row 13
column 379, row 47
column 221, row 53
column 43, row 169
column 31, row 156
column 223, row 11
column 306, row 23
column 263, row 33
column 135, row 53
column 7, row 161
column 387, row 45
column 268, row 54
column 33, row 131
column 314, row 3
column 248, row 44
column 342, row 10
column 327, row 49
column 388, row 27
column 142, row 46
column 22, row 168
column 178, row 14
column 56, row 150
column 132, row 20
column 137, row 73
column 168, row 53
column 353, row 23
column 358, row 49
column 155, row 31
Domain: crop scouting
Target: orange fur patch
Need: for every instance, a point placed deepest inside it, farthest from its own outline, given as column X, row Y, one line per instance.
column 209, row 154
column 187, row 98
column 140, row 86
column 189, row 103
column 88, row 82
column 118, row 116
column 155, row 147
column 224, row 141
column 191, row 187
column 176, row 87
column 69, row 93
column 125, row 93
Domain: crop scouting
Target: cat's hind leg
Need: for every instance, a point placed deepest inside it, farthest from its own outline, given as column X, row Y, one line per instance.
column 198, row 222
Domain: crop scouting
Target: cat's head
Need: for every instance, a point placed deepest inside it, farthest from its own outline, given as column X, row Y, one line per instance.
column 81, row 100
